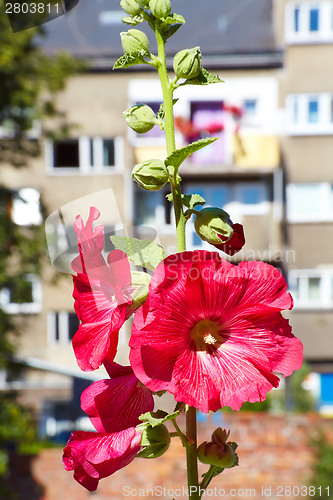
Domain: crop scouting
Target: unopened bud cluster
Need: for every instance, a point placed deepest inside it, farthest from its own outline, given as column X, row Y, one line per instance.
column 134, row 41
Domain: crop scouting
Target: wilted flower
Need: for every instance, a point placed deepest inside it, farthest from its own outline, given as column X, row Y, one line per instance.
column 151, row 175
column 187, row 63
column 212, row 333
column 218, row 451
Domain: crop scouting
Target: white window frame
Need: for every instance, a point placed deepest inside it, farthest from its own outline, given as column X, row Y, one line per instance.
column 325, row 300
column 33, row 307
column 63, row 326
column 304, row 35
column 26, row 209
column 85, row 167
column 326, row 212
column 302, row 126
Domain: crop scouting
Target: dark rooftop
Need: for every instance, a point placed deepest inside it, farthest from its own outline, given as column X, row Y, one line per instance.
column 230, row 33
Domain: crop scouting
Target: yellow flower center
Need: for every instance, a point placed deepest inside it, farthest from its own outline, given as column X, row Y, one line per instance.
column 206, row 334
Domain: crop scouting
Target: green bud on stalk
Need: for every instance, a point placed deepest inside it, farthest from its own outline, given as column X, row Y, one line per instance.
column 144, row 3
column 187, row 63
column 160, row 8
column 141, row 118
column 151, row 175
column 156, row 441
column 131, row 7
column 211, row 223
column 134, row 41
column 217, row 451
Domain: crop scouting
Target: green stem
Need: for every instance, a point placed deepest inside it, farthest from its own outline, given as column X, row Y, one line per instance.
column 208, row 477
column 169, row 129
column 191, row 454
column 180, row 434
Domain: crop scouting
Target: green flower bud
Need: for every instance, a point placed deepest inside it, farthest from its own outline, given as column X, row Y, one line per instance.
column 156, row 441
column 141, row 118
column 160, row 8
column 211, row 223
column 144, row 3
column 151, row 175
column 134, row 41
column 131, row 7
column 187, row 63
column 218, row 451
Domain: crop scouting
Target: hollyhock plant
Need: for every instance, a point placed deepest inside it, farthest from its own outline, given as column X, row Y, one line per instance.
column 122, row 398
column 93, row 456
column 102, row 295
column 209, row 332
column 212, row 333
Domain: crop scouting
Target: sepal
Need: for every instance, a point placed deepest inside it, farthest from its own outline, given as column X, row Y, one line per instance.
column 154, row 440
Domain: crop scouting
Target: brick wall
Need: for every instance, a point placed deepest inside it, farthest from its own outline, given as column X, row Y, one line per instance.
column 274, row 452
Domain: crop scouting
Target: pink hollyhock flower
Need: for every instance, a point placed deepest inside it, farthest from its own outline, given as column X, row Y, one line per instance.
column 212, row 333
column 110, row 403
column 93, row 456
column 236, row 242
column 102, row 295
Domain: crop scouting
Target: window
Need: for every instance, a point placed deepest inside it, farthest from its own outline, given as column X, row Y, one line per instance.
column 26, row 207
column 309, row 22
column 22, row 296
column 309, row 114
column 310, row 202
column 84, row 155
column 250, row 108
column 208, row 119
column 312, row 288
column 151, row 208
column 62, row 326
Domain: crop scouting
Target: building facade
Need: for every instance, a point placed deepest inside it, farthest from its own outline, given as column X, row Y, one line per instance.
column 270, row 168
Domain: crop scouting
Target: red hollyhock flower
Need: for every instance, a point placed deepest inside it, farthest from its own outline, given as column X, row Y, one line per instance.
column 110, row 403
column 236, row 242
column 212, row 333
column 102, row 295
column 94, row 456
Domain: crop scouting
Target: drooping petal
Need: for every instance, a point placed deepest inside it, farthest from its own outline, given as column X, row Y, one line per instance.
column 115, row 404
column 94, row 456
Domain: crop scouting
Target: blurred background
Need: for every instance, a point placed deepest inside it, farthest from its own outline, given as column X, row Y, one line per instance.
column 65, row 146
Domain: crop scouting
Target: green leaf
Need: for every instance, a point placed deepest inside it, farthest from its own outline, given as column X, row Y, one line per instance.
column 192, row 200
column 130, row 59
column 132, row 20
column 177, row 157
column 173, row 19
column 154, row 418
column 171, row 31
column 144, row 253
column 204, row 78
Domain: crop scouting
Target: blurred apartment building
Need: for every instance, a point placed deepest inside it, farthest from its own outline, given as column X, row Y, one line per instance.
column 270, row 169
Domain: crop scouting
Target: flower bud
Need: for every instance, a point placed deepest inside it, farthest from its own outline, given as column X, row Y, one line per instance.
column 144, row 3
column 141, row 118
column 151, row 175
column 134, row 41
column 212, row 223
column 187, row 63
column 217, row 451
column 160, row 8
column 131, row 7
column 155, row 440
